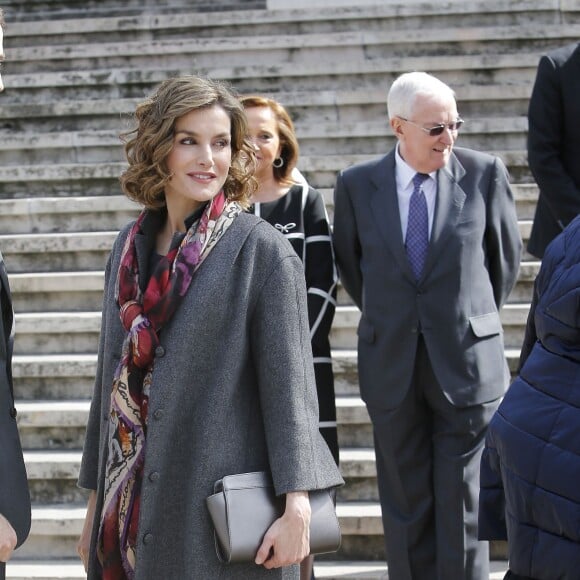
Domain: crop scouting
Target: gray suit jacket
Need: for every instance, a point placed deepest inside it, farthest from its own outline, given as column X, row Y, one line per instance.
column 14, row 495
column 471, row 267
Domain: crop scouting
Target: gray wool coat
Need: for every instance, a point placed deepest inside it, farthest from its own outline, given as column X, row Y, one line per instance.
column 233, row 391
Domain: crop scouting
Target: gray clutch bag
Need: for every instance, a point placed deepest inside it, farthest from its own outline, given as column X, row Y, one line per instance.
column 244, row 506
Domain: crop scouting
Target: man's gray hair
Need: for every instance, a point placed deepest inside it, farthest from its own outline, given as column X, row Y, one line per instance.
column 407, row 87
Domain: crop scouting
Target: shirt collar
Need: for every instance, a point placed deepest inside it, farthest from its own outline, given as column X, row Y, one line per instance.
column 405, row 172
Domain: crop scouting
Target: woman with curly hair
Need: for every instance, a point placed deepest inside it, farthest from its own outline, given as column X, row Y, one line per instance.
column 205, row 365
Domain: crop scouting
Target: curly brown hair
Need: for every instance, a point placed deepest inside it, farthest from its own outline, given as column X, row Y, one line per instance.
column 149, row 144
column 286, row 133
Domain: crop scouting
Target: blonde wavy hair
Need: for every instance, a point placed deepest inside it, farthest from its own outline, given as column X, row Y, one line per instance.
column 148, row 145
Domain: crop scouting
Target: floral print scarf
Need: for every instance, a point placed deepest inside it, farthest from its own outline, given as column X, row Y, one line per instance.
column 143, row 315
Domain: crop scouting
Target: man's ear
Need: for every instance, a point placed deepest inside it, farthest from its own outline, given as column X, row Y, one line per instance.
column 396, row 126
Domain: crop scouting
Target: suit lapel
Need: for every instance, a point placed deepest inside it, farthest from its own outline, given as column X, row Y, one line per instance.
column 385, row 208
column 448, row 206
column 7, row 316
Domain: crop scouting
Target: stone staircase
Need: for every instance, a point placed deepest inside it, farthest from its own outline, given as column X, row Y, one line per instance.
column 73, row 77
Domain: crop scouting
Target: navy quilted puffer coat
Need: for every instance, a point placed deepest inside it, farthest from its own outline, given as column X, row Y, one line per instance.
column 530, row 470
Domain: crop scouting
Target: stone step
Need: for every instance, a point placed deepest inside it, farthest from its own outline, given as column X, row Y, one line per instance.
column 297, row 49
column 54, row 532
column 63, row 416
column 369, row 137
column 52, row 569
column 82, row 290
column 52, row 477
column 53, row 473
column 55, row 377
column 57, row 332
column 65, row 214
column 63, row 252
column 314, row 74
column 95, row 213
column 78, row 332
column 387, row 14
column 78, row 179
column 52, row 425
column 360, row 16
column 372, row 570
column 71, row 376
column 61, row 9
column 338, row 105
column 323, row 569
column 57, row 291
column 56, row 528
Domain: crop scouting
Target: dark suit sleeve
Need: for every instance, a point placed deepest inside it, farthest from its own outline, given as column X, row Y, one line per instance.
column 14, row 493
column 491, row 521
column 503, row 240
column 545, row 144
column 346, row 242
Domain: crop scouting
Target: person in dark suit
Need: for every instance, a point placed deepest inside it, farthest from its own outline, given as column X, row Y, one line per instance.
column 14, row 495
column 554, row 144
column 427, row 245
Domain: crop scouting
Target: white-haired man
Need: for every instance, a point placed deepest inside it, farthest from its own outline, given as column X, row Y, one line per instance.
column 427, row 245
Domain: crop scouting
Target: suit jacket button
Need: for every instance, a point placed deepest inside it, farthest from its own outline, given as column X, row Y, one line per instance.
column 154, row 476
column 158, row 414
column 147, row 538
column 159, row 351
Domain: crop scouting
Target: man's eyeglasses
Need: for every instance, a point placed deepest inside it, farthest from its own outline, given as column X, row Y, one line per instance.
column 437, row 129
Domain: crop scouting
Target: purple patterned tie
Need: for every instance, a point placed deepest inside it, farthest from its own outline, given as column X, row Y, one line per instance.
column 417, row 238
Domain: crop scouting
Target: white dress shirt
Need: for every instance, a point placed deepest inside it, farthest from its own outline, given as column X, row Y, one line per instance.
column 404, row 174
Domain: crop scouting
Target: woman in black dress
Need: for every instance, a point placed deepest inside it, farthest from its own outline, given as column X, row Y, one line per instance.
column 285, row 200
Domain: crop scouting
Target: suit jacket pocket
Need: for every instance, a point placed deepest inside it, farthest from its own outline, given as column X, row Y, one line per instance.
column 366, row 330
column 486, row 324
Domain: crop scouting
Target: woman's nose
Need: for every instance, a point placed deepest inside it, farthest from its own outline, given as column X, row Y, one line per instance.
column 205, row 156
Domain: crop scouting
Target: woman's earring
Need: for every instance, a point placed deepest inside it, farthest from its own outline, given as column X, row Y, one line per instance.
column 278, row 162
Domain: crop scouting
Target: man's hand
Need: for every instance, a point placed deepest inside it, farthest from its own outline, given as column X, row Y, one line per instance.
column 8, row 539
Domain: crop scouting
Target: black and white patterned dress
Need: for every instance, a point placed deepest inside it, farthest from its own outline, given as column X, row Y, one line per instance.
column 301, row 217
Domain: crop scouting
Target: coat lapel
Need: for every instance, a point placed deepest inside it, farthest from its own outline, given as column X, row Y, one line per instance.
column 448, row 206
column 385, row 208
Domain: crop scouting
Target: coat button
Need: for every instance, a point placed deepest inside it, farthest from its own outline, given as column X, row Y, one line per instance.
column 147, row 538
column 154, row 476
column 159, row 351
column 158, row 414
